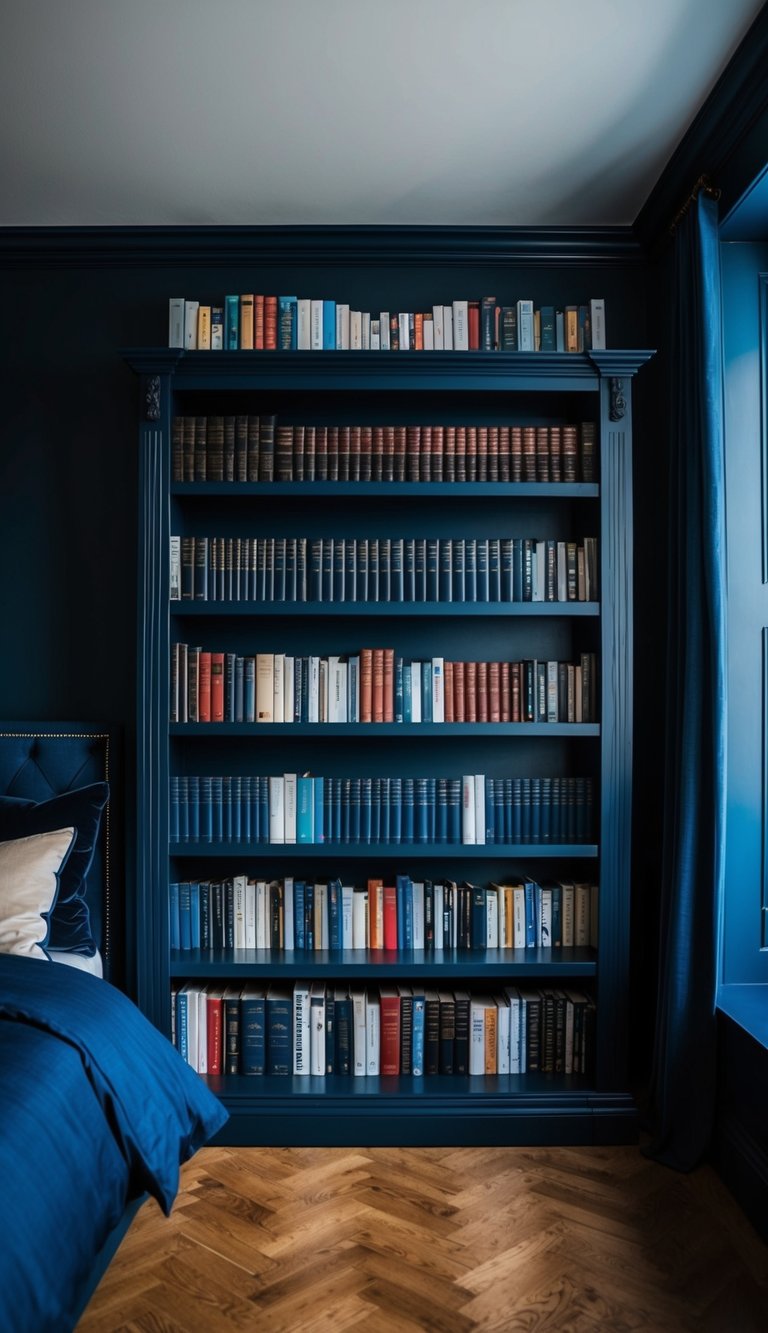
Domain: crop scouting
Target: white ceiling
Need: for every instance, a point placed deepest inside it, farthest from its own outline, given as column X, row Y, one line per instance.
column 512, row 112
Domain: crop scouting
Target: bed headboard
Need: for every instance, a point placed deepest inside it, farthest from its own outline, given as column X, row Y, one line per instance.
column 43, row 759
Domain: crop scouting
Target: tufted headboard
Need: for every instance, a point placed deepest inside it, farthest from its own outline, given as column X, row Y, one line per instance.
column 43, row 759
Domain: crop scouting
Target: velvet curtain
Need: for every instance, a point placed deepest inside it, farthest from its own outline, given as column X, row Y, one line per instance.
column 683, row 1083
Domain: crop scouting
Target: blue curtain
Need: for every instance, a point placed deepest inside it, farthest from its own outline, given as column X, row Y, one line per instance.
column 682, row 1099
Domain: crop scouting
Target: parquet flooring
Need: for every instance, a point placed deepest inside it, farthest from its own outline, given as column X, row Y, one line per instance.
column 588, row 1240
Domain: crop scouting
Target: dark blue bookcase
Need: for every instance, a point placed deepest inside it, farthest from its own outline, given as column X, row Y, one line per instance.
column 489, row 388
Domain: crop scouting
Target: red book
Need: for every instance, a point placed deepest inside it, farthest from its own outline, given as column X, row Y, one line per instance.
column 389, row 1000
column 425, row 462
column 450, row 715
column 377, row 692
column 494, row 691
column 366, row 684
column 481, row 676
column 482, row 453
column 270, row 323
column 470, row 691
column 217, row 687
column 389, row 684
column 418, row 333
column 473, row 325
column 390, row 917
column 506, row 699
column 214, row 1007
column 204, row 687
column 459, row 710
column 258, row 323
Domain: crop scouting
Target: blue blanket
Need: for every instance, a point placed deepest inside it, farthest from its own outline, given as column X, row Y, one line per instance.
column 96, row 1109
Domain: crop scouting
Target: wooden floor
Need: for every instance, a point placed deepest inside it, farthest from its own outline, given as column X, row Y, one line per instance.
column 437, row 1239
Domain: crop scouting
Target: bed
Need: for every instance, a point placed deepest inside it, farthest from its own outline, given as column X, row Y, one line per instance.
column 98, row 1110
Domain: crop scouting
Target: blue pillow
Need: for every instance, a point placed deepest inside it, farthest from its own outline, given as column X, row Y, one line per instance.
column 70, row 921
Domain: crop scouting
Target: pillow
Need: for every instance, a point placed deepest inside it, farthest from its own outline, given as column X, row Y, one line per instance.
column 29, row 882
column 94, row 965
column 70, row 925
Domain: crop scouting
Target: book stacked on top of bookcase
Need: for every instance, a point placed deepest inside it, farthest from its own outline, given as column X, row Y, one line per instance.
column 256, row 322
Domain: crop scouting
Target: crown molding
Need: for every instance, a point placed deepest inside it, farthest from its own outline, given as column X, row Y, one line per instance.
column 65, row 247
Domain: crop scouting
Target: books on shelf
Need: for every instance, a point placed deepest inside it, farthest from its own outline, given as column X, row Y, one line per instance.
column 376, row 685
column 257, row 322
column 470, row 810
column 395, row 570
column 249, row 447
column 294, row 914
column 317, row 1029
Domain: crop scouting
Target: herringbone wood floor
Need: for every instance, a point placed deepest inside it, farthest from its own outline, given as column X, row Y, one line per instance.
column 564, row 1240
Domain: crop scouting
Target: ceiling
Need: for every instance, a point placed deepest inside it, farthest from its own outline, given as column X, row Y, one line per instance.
column 268, row 112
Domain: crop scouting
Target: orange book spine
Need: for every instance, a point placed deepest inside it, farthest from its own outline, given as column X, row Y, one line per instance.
column 390, row 917
column 204, row 687
column 366, row 684
column 450, row 715
column 375, row 913
column 378, row 685
column 217, row 687
column 213, row 1024
column 418, row 331
column 490, row 1040
column 270, row 323
column 258, row 323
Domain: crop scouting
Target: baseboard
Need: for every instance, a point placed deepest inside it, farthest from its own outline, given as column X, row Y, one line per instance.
column 742, row 1163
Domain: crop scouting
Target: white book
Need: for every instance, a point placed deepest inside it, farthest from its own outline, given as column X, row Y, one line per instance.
column 439, row 908
column 405, row 331
column 372, row 1033
column 202, row 1031
column 375, row 343
column 288, row 914
column 301, row 1037
column 581, row 915
column 358, row 1052
column 176, row 321
column 491, row 920
column 190, row 325
column 239, row 885
column 322, row 707
column 342, row 328
column 277, row 809
column 525, row 325
column 174, row 588
column 514, row 1029
column 596, row 324
column 417, row 889
column 250, row 914
column 429, row 335
column 546, row 918
column 461, row 326
column 191, row 991
column 303, row 324
column 337, row 690
column 365, row 331
column 289, row 807
column 317, row 1028
column 566, row 914
column 355, row 330
column 316, row 326
column 480, row 809
column 262, row 915
column 415, row 669
column 347, row 895
column 437, row 326
column 278, row 687
column 384, row 330
column 539, row 571
column 477, row 1034
column 448, row 328
column 288, row 678
column 518, row 919
column 265, row 687
column 562, row 573
column 501, row 915
column 502, row 1034
column 360, row 919
column 313, row 691
column 468, row 830
column 438, row 689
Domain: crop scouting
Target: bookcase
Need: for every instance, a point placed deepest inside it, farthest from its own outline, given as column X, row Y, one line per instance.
column 485, row 389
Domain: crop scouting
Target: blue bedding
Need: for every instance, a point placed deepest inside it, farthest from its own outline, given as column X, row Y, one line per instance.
column 97, row 1108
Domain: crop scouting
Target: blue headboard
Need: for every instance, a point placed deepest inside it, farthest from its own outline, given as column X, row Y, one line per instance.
column 43, row 759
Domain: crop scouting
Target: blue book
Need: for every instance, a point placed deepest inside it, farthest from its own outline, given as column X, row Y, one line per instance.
column 245, row 809
column 237, row 712
column 431, row 809
column 345, row 802
column 343, row 1032
column 525, row 809
column 454, row 810
column 309, row 916
column 409, row 809
column 517, row 569
column 490, row 809
column 530, row 914
column 483, row 580
column 226, row 809
column 328, row 809
column 231, row 323
column 408, row 912
column 385, row 569
column 173, row 811
column 253, row 1029
column 407, row 685
column 432, row 557
column 396, row 577
column 409, row 570
column 299, row 908
column 173, row 922
column 204, row 818
column 185, row 915
column 205, row 915
column 339, row 568
column 334, row 914
column 395, row 810
column 478, row 920
column 329, row 326
column 470, row 570
column 420, row 565
column 376, row 810
column 445, row 581
column 318, row 791
column 417, row 1036
column 373, row 569
column 426, row 691
column 494, row 570
column 336, row 809
column 548, row 337
column 398, row 689
column 279, row 1008
column 287, row 323
column 264, row 809
column 366, row 809
column 422, row 813
column 279, row 576
column 400, row 882
column 441, row 821
column 290, row 570
column 457, row 566
column 361, row 567
column 384, row 812
column 182, row 1028
column 355, row 800
column 350, row 570
column 326, row 588
column 237, row 808
column 305, row 810
column 316, row 569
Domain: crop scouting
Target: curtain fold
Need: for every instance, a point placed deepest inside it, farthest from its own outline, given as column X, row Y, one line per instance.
column 682, row 1101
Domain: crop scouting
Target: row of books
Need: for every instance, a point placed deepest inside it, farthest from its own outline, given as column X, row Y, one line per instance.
column 309, row 916
column 255, row 448
column 397, row 569
column 376, row 685
column 291, row 808
column 256, row 322
column 320, row 1029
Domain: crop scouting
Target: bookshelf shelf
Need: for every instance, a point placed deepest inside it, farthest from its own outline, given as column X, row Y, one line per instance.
column 353, row 387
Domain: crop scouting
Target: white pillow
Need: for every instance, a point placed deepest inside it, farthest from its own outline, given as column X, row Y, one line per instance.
column 29, row 883
column 93, row 965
